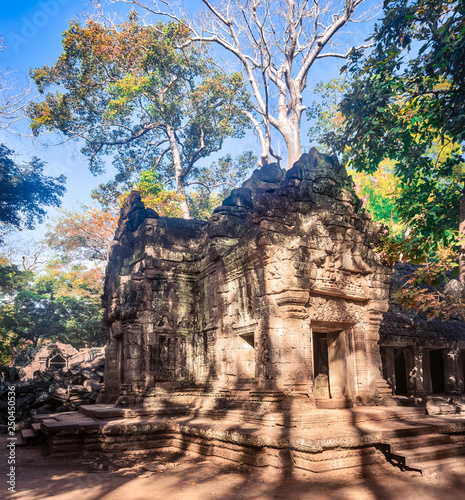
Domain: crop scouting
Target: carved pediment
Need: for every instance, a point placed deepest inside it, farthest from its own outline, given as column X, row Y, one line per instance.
column 339, row 276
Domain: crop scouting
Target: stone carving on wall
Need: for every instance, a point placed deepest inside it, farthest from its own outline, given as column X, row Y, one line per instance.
column 235, row 298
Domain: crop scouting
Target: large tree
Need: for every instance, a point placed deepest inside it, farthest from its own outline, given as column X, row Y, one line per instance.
column 145, row 94
column 25, row 192
column 63, row 303
column 277, row 43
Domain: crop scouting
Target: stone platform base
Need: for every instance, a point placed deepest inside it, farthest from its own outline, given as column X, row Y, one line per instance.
column 445, row 404
column 326, row 440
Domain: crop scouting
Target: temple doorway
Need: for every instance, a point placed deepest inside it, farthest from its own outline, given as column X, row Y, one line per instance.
column 437, row 371
column 395, row 369
column 332, row 377
column 400, row 370
column 321, row 365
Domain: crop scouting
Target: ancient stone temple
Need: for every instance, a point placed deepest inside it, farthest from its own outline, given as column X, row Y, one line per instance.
column 279, row 295
column 422, row 357
column 255, row 337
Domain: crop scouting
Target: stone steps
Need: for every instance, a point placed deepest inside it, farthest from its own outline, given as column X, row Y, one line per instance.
column 420, row 441
column 443, row 464
column 351, row 437
column 28, row 436
column 336, row 412
column 36, row 428
column 428, row 453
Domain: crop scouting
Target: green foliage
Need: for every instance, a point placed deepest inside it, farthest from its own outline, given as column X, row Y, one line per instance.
column 379, row 192
column 165, row 202
column 145, row 95
column 12, row 279
column 25, row 192
column 62, row 304
column 323, row 114
column 406, row 104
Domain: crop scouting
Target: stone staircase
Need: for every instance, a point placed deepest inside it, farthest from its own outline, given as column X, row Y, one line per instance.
column 323, row 440
column 426, row 452
column 384, row 393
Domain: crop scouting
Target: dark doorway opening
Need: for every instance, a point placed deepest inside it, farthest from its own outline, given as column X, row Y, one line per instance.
column 57, row 361
column 437, row 371
column 400, row 367
column 320, row 353
column 321, row 365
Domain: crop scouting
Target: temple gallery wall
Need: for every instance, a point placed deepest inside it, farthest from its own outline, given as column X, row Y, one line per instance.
column 279, row 295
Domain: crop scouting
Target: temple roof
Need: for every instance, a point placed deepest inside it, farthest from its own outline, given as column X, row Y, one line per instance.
column 408, row 325
column 415, row 326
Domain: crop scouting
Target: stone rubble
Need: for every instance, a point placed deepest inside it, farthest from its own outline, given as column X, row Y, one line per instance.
column 54, row 390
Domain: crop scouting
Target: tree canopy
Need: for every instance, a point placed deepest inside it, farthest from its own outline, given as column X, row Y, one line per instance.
column 144, row 94
column 406, row 103
column 62, row 304
column 25, row 192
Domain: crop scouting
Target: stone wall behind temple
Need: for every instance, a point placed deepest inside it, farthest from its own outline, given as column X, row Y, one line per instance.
column 279, row 292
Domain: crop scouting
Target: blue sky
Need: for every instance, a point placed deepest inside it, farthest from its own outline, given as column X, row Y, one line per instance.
column 32, row 30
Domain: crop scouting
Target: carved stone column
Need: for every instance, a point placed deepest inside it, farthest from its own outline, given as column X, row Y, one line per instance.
column 451, row 376
column 416, row 376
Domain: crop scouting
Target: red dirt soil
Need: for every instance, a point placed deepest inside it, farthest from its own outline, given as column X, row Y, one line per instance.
column 176, row 477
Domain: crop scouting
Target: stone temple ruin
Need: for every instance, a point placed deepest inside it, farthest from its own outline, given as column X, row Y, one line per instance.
column 280, row 293
column 255, row 336
column 421, row 357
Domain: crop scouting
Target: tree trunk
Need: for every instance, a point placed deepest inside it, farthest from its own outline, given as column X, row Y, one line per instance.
column 180, row 186
column 462, row 244
column 291, row 135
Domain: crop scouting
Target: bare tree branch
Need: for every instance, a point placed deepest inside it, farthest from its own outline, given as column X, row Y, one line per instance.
column 277, row 42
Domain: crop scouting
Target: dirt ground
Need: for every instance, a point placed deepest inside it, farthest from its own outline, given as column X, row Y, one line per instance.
column 174, row 477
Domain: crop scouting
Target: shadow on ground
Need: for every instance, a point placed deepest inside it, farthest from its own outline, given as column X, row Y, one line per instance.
column 181, row 476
